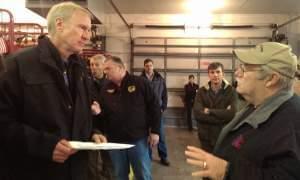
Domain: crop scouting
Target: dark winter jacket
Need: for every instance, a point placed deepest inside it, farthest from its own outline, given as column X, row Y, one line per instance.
column 159, row 86
column 37, row 109
column 97, row 85
column 265, row 144
column 218, row 105
column 190, row 91
column 125, row 109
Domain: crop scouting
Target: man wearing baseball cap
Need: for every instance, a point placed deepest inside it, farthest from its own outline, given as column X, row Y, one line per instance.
column 263, row 139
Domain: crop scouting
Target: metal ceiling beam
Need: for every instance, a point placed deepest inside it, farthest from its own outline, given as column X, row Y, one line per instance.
column 119, row 13
column 288, row 22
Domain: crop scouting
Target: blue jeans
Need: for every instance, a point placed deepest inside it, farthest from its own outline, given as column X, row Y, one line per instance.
column 137, row 157
column 161, row 146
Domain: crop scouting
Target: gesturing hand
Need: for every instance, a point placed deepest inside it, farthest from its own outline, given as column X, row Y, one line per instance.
column 209, row 165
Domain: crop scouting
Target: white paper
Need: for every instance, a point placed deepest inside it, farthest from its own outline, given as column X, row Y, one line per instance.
column 94, row 146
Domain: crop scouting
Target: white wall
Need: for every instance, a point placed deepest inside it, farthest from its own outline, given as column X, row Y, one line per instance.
column 118, row 38
column 116, row 32
column 292, row 30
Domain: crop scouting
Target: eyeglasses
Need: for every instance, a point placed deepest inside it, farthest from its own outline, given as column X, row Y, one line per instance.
column 243, row 68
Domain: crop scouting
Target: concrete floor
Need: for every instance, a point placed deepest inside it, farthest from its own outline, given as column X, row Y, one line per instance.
column 177, row 140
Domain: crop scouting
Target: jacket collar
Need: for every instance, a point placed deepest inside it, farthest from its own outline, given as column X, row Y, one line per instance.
column 123, row 82
column 50, row 56
column 225, row 84
column 155, row 74
column 264, row 111
column 257, row 117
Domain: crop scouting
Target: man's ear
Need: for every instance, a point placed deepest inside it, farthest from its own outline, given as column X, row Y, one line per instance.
column 272, row 80
column 59, row 24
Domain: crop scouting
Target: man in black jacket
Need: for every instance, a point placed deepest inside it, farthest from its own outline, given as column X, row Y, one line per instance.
column 131, row 113
column 190, row 90
column 45, row 102
column 262, row 142
column 158, row 84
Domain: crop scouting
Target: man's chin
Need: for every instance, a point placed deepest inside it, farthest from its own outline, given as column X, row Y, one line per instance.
column 216, row 82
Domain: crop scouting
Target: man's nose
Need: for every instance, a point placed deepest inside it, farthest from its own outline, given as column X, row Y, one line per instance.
column 86, row 35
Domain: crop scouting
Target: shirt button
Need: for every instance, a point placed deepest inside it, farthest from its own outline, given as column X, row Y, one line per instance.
column 69, row 107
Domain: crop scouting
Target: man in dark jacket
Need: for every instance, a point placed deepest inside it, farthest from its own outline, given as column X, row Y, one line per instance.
column 158, row 84
column 96, row 67
column 45, row 103
column 214, row 106
column 131, row 113
column 100, row 165
column 190, row 90
column 262, row 142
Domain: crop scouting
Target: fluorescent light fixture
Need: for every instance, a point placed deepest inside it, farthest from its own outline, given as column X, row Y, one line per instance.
column 199, row 15
column 203, row 19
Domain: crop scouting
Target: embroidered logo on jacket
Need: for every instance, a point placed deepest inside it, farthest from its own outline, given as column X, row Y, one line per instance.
column 110, row 91
column 131, row 88
column 237, row 142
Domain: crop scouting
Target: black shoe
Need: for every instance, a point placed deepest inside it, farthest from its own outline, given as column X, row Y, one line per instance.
column 164, row 162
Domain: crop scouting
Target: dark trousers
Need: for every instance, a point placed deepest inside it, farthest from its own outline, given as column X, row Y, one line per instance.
column 208, row 135
column 100, row 165
column 189, row 108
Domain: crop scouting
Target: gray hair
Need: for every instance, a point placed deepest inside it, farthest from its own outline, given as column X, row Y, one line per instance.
column 62, row 10
column 117, row 61
column 285, row 83
column 98, row 57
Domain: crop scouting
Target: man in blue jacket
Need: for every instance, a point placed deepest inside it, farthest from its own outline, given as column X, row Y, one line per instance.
column 158, row 84
column 262, row 142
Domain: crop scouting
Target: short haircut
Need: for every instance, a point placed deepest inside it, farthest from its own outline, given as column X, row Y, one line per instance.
column 146, row 61
column 215, row 65
column 285, row 83
column 62, row 10
column 116, row 60
column 191, row 76
column 98, row 57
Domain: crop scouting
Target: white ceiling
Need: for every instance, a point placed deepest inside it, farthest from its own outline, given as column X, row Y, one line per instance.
column 231, row 6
